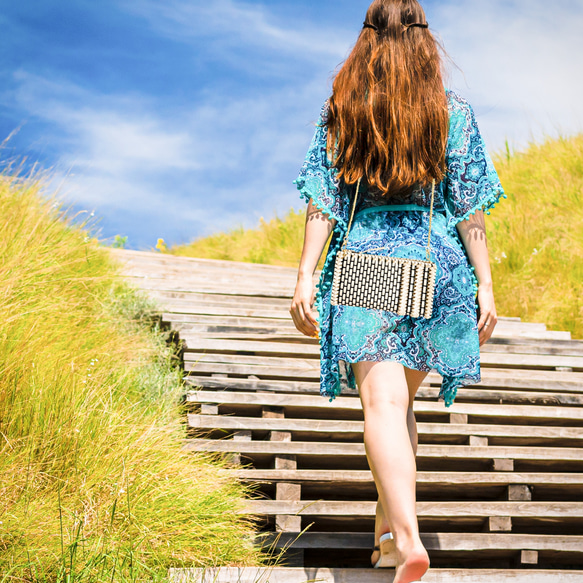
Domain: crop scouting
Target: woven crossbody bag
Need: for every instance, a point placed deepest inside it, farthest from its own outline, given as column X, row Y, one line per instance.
column 396, row 284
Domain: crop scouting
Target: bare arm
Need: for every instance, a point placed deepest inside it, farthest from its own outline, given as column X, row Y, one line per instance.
column 317, row 231
column 473, row 234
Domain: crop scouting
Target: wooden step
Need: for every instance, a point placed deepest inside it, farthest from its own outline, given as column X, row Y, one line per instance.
column 328, row 575
column 345, row 429
column 433, row 509
column 209, row 283
column 359, row 484
column 192, row 322
column 312, row 449
column 435, row 541
column 473, row 393
column 300, row 405
column 534, row 361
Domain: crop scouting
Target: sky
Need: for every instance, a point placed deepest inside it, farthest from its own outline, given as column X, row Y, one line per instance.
column 176, row 119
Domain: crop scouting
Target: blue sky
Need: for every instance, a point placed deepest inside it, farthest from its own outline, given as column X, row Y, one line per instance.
column 180, row 118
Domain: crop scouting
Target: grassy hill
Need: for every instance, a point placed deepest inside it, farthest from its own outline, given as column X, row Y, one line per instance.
column 93, row 486
column 535, row 236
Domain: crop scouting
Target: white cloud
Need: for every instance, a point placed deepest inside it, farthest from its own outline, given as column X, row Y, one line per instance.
column 229, row 158
column 521, row 62
column 222, row 162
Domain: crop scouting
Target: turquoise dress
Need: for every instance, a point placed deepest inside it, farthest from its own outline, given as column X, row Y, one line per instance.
column 448, row 341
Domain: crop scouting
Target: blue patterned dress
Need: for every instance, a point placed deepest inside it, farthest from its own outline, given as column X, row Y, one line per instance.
column 448, row 341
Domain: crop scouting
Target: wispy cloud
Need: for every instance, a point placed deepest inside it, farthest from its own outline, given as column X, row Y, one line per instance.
column 230, row 25
column 180, row 160
column 222, row 162
column 520, row 62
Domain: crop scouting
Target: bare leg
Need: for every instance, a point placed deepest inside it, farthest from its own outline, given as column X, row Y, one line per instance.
column 385, row 397
column 414, row 380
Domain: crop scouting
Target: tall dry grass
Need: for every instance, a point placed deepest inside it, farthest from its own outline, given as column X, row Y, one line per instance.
column 535, row 236
column 93, row 485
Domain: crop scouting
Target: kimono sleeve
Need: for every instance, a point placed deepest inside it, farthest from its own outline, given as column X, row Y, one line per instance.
column 472, row 181
column 317, row 178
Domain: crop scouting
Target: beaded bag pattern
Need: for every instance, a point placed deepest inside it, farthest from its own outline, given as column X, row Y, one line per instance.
column 400, row 285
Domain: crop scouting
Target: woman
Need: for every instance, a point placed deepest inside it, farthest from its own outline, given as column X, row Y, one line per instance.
column 392, row 127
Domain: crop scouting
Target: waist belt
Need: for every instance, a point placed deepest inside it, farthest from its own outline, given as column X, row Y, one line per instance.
column 393, row 207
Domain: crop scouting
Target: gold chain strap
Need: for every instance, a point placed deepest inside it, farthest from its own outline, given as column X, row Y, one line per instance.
column 428, row 250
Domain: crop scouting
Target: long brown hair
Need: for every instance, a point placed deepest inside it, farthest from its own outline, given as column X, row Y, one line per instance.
column 388, row 118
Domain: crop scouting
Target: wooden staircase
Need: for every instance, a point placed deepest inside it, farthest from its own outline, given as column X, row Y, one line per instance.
column 500, row 473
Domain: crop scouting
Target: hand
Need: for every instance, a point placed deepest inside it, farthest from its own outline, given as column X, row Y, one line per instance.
column 301, row 308
column 487, row 313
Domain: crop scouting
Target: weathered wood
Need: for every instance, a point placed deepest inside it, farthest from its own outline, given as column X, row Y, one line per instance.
column 499, row 523
column 210, row 409
column 234, row 318
column 535, row 361
column 439, row 541
column 316, row 449
column 478, row 433
column 503, row 465
column 549, row 380
column 529, row 557
column 547, row 388
column 434, row 478
column 251, row 290
column 283, row 326
column 437, row 509
column 519, row 492
column 326, row 575
column 353, row 404
column 481, row 441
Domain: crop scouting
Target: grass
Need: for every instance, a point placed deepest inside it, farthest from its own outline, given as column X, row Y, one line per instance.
column 535, row 236
column 275, row 242
column 93, row 485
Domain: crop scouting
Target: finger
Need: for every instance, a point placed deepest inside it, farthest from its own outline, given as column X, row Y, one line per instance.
column 309, row 314
column 487, row 329
column 307, row 327
column 483, row 319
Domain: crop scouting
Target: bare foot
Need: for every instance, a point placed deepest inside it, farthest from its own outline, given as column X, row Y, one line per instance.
column 381, row 527
column 413, row 564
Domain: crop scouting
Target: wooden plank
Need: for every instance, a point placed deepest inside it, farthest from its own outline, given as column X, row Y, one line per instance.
column 235, row 311
column 311, row 350
column 437, row 541
column 279, row 326
column 431, row 478
column 203, row 286
column 321, row 449
column 149, row 258
column 285, row 327
column 433, row 509
column 311, row 375
column 353, row 404
column 327, row 575
column 339, row 426
column 223, row 299
column 255, row 384
column 538, row 381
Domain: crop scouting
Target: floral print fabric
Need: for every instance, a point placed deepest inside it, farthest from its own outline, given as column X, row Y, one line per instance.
column 448, row 341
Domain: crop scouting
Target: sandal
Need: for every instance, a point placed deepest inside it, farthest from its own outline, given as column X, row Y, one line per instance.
column 388, row 551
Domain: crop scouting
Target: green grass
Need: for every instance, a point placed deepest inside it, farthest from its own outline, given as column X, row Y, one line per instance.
column 276, row 242
column 535, row 236
column 93, row 485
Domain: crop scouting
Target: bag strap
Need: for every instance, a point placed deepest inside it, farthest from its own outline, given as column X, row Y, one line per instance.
column 428, row 250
